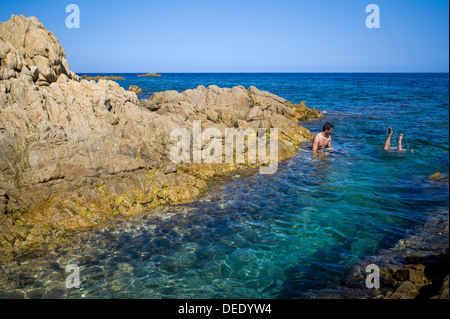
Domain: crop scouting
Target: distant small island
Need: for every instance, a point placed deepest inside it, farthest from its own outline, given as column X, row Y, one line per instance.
column 106, row 77
column 150, row 74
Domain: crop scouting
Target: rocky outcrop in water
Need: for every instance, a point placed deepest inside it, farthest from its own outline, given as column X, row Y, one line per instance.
column 102, row 77
column 78, row 153
column 150, row 74
column 422, row 278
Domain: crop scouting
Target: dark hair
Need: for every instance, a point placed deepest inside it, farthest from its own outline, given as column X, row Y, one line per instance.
column 327, row 126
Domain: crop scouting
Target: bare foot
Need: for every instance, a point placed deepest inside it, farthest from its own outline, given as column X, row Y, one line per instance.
column 390, row 131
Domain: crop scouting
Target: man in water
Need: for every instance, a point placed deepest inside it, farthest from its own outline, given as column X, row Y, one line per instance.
column 322, row 140
column 387, row 144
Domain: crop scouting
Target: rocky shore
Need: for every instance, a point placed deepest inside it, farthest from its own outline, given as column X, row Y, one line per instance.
column 78, row 154
column 417, row 267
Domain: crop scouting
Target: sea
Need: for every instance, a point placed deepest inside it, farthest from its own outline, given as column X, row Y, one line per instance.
column 293, row 234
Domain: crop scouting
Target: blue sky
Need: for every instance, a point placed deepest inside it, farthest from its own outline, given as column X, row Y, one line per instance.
column 246, row 35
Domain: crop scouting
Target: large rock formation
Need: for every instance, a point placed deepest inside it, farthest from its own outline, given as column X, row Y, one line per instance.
column 28, row 50
column 75, row 153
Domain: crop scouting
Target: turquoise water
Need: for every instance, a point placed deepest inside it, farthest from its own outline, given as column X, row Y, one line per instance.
column 280, row 235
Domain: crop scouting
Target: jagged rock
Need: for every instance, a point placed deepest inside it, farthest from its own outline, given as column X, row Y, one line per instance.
column 406, row 290
column 34, row 71
column 77, row 152
column 135, row 89
column 170, row 169
column 24, row 42
column 444, row 293
column 412, row 273
column 229, row 105
column 212, row 115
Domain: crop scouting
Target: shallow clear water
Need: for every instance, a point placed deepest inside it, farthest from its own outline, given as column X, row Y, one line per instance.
column 281, row 235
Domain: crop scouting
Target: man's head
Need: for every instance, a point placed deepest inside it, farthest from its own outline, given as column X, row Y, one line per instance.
column 327, row 128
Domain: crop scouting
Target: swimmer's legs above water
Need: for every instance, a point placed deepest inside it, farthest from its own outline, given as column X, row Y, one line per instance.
column 400, row 138
column 387, row 144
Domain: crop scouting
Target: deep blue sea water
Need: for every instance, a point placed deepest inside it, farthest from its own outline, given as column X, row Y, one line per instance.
column 281, row 235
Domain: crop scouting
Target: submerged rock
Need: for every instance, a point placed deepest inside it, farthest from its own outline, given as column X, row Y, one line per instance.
column 79, row 153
